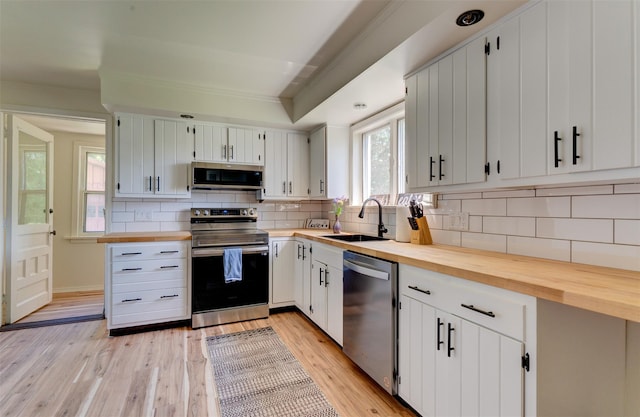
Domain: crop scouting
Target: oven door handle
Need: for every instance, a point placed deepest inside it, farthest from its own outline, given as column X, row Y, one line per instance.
column 202, row 252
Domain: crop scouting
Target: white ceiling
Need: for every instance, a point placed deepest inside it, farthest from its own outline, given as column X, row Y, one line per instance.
column 262, row 48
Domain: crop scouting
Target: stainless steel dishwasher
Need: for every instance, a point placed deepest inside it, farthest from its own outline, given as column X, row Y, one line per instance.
column 370, row 316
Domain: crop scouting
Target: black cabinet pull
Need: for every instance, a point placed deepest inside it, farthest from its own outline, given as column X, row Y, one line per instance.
column 169, row 296
column 321, row 272
column 431, row 162
column 415, row 288
column 477, row 310
column 299, row 251
column 450, row 330
column 326, row 277
column 556, row 157
column 575, row 145
column 304, row 248
column 440, row 324
column 168, row 251
column 158, row 189
column 440, row 175
column 169, row 266
column 131, row 253
column 128, row 300
column 132, row 269
column 150, row 186
column 498, row 166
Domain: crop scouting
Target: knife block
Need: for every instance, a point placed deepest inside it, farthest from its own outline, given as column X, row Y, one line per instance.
column 422, row 236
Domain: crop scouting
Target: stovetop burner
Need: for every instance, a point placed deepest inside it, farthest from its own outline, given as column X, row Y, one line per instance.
column 226, row 227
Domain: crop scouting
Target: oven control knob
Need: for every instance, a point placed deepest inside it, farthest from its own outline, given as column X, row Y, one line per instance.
column 251, row 212
column 206, row 212
column 196, row 212
column 244, row 212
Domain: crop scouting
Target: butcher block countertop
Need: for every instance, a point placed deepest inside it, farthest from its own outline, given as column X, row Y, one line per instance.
column 144, row 237
column 611, row 291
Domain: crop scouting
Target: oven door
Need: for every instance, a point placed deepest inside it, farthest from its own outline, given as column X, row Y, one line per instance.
column 209, row 290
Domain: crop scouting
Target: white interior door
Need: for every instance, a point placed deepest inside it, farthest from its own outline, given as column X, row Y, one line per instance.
column 30, row 214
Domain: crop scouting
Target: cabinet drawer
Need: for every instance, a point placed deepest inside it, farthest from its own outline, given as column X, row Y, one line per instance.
column 159, row 266
column 147, row 281
column 426, row 286
column 490, row 308
column 169, row 250
column 327, row 254
column 149, row 306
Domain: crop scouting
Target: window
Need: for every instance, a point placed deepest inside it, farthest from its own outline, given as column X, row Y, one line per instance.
column 89, row 199
column 378, row 145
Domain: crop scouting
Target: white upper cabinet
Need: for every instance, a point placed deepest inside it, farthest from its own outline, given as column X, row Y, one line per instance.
column 591, row 71
column 153, row 157
column 445, row 115
column 329, row 162
column 216, row 143
column 286, row 165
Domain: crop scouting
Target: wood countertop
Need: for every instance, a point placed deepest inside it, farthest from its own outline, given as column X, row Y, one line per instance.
column 144, row 237
column 611, row 291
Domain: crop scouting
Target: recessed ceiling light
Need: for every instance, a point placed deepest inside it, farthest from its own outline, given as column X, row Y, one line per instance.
column 359, row 106
column 470, row 17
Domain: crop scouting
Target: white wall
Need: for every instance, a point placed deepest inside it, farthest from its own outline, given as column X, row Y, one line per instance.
column 77, row 266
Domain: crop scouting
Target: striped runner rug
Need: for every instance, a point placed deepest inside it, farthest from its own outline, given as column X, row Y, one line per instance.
column 257, row 376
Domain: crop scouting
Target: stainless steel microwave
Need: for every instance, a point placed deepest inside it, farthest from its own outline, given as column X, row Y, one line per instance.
column 220, row 176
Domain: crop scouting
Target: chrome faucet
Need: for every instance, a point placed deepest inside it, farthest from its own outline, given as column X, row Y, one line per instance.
column 381, row 228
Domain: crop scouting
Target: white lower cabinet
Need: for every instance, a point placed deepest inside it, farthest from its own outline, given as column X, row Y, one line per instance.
column 147, row 283
column 282, row 273
column 469, row 349
column 326, row 290
column 451, row 366
column 302, row 271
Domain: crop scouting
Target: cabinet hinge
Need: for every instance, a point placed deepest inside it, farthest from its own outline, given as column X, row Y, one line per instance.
column 310, row 249
column 487, row 48
column 308, row 140
column 406, row 90
column 399, row 380
column 194, row 154
column 118, row 186
column 118, row 122
column 187, row 188
column 399, row 305
column 525, row 362
column 487, row 168
column 309, row 191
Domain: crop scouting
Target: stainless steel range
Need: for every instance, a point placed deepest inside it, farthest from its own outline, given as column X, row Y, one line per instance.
column 216, row 299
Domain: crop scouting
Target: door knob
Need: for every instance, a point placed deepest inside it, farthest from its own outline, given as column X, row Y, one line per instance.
column 50, row 211
column 53, row 232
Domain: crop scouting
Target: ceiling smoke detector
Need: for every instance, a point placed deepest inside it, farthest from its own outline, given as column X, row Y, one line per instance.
column 359, row 106
column 470, row 17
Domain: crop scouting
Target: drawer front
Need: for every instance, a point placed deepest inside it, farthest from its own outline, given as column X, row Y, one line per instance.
column 327, row 254
column 149, row 306
column 168, row 250
column 426, row 286
column 141, row 266
column 493, row 311
column 148, row 281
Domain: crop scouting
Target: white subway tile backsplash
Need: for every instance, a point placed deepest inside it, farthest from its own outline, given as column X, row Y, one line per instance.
column 475, row 224
column 446, row 237
column 589, row 230
column 509, row 193
column 171, row 206
column 559, row 250
column 484, row 241
column 143, row 227
column 122, row 216
column 118, row 206
column 460, row 196
column 569, row 191
column 143, row 206
column 174, row 226
column 627, row 188
column 602, row 254
column 446, row 205
column 539, row 207
column 164, row 216
column 617, row 206
column 627, row 232
column 488, row 207
column 517, row 226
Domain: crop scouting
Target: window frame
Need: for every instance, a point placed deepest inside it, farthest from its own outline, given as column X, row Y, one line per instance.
column 80, row 152
column 390, row 116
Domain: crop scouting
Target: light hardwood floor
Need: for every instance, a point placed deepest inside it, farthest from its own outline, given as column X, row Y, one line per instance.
column 78, row 370
column 69, row 304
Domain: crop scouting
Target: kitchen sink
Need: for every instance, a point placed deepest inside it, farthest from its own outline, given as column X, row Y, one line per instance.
column 355, row 238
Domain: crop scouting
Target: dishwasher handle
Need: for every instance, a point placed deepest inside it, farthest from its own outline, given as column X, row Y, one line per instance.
column 366, row 270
